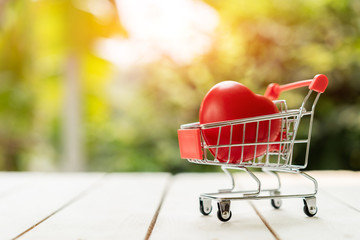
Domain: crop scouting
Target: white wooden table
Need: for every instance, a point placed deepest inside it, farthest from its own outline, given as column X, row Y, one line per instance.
column 103, row 206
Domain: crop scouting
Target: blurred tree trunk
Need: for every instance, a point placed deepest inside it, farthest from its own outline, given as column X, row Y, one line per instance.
column 11, row 155
column 72, row 128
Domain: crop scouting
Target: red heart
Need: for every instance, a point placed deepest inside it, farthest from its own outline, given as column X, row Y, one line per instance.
column 231, row 100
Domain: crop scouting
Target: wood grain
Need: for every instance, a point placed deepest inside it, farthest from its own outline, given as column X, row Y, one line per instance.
column 334, row 220
column 180, row 218
column 131, row 206
column 122, row 206
column 344, row 186
column 36, row 196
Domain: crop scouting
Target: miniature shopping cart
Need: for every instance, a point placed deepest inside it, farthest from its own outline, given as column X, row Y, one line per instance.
column 194, row 148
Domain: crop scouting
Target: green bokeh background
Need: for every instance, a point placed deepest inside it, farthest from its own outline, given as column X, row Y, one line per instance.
column 255, row 43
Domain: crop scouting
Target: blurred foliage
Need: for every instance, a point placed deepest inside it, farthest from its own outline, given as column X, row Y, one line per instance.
column 130, row 117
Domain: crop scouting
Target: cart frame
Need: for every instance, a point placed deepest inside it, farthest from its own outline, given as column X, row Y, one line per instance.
column 194, row 148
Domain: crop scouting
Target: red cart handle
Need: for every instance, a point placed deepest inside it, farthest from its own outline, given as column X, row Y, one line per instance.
column 318, row 84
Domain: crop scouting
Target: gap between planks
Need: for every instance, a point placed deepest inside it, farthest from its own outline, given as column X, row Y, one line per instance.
column 178, row 183
column 272, row 231
column 262, row 217
column 158, row 209
column 74, row 199
column 154, row 219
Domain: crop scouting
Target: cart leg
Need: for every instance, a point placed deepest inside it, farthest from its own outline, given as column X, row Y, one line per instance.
column 228, row 173
column 277, row 178
column 311, row 179
column 205, row 206
column 275, row 202
column 310, row 208
column 224, row 213
column 257, row 192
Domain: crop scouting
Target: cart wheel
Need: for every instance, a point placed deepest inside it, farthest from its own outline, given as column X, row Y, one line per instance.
column 224, row 213
column 310, row 208
column 276, row 203
column 205, row 206
column 225, row 216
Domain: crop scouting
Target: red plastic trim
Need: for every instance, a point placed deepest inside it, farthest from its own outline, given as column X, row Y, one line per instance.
column 190, row 144
column 272, row 91
column 318, row 84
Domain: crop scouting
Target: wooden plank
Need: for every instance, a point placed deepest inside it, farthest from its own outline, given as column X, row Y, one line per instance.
column 38, row 196
column 179, row 217
column 341, row 185
column 11, row 182
column 121, row 207
column 106, row 212
column 334, row 220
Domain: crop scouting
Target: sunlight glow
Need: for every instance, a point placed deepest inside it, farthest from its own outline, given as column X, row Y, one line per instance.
column 177, row 29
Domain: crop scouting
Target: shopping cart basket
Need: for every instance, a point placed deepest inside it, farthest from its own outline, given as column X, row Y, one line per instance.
column 277, row 158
